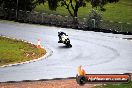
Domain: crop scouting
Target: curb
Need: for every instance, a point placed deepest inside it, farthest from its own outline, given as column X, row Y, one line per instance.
column 128, row 39
column 49, row 52
column 39, row 80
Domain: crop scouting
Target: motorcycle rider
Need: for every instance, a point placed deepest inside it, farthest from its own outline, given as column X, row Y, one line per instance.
column 60, row 33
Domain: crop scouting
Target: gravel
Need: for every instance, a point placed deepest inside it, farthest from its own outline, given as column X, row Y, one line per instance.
column 66, row 83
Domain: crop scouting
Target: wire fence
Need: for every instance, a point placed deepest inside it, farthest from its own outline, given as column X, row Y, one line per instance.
column 63, row 21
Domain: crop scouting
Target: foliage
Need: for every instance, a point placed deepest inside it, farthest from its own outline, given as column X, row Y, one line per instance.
column 121, row 85
column 27, row 5
column 73, row 5
column 93, row 19
column 118, row 12
column 101, row 3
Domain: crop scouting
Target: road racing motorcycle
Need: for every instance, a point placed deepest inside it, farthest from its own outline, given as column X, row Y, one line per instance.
column 65, row 40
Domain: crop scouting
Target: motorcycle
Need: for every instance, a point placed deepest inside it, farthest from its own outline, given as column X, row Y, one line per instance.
column 65, row 40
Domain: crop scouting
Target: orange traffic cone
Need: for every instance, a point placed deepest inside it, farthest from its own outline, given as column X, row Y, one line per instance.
column 38, row 44
column 81, row 71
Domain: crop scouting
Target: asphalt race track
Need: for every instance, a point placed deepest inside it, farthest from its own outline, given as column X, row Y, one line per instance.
column 96, row 52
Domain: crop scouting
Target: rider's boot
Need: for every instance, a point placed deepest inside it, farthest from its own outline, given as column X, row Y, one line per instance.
column 59, row 41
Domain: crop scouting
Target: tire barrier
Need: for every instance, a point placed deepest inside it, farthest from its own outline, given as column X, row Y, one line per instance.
column 82, row 77
column 103, row 78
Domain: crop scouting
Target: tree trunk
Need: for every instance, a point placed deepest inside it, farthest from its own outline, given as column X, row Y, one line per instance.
column 75, row 19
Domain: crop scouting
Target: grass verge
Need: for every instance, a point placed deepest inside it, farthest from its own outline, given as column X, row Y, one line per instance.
column 13, row 51
column 123, row 85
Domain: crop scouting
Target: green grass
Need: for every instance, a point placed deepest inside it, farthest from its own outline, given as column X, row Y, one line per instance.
column 12, row 51
column 119, row 12
column 125, row 85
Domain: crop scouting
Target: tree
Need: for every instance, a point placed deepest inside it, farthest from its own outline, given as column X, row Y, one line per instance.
column 11, row 7
column 53, row 4
column 73, row 5
column 27, row 5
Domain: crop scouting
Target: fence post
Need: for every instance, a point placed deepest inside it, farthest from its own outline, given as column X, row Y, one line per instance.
column 93, row 23
column 128, row 27
column 17, row 10
column 59, row 19
column 42, row 16
column 84, row 23
column 120, row 26
column 36, row 14
column 66, row 21
column 12, row 14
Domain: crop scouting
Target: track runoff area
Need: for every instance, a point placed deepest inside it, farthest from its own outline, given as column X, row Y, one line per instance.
column 82, row 77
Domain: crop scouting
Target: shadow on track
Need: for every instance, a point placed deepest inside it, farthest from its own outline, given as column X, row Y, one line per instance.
column 62, row 47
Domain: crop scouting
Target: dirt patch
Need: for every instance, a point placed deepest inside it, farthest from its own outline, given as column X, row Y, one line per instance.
column 65, row 83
